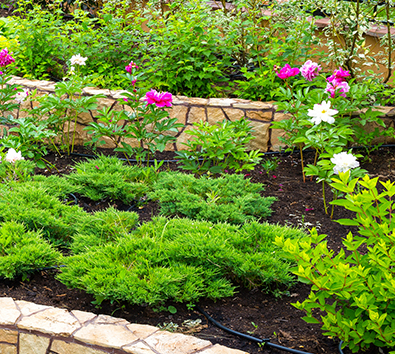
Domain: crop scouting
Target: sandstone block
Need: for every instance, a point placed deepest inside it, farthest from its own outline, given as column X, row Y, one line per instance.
column 60, row 347
column 138, row 348
column 8, row 349
column 260, row 115
column 197, row 101
column 179, row 112
column 32, row 344
column 221, row 102
column 8, row 336
column 142, row 331
column 83, row 316
column 175, row 343
column 8, row 311
column 253, row 105
column 105, row 335
column 261, row 134
column 27, row 308
column 219, row 349
column 196, row 114
column 53, row 321
column 105, row 319
column 215, row 115
column 234, row 114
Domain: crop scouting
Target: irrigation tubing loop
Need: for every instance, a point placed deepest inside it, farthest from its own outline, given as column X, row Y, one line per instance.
column 264, row 342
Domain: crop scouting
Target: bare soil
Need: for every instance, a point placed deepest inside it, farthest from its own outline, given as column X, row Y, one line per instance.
column 249, row 311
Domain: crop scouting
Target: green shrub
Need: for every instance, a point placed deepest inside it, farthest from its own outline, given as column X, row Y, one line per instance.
column 59, row 187
column 181, row 260
column 355, row 291
column 32, row 206
column 108, row 177
column 230, row 198
column 22, row 251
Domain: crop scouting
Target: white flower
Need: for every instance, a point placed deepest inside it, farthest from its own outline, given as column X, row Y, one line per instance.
column 72, row 70
column 343, row 162
column 21, row 96
column 13, row 156
column 322, row 113
column 77, row 60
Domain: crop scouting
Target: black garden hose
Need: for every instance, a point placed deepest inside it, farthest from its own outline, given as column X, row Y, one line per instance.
column 264, row 342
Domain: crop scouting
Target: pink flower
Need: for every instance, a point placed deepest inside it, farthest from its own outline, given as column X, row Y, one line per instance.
column 6, row 58
column 129, row 67
column 160, row 99
column 309, row 209
column 247, row 175
column 97, row 167
column 310, row 70
column 287, row 71
column 134, row 82
column 338, row 75
column 274, row 176
column 337, row 86
column 125, row 99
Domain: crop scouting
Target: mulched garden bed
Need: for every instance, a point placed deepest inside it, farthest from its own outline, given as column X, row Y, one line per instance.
column 249, row 311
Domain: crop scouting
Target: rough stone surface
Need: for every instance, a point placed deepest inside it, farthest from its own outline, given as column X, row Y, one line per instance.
column 197, row 101
column 175, row 343
column 8, row 311
column 32, row 344
column 8, row 349
column 52, row 321
column 220, row 349
column 221, row 102
column 234, row 114
column 179, row 112
column 261, row 134
column 27, row 308
column 142, row 331
column 253, row 105
column 83, row 316
column 138, row 348
column 215, row 115
column 260, row 115
column 60, row 347
column 105, row 319
column 196, row 114
column 106, row 335
column 8, row 336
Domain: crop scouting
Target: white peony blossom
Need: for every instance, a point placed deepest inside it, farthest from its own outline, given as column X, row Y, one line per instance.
column 77, row 60
column 72, row 70
column 13, row 156
column 322, row 113
column 21, row 96
column 343, row 162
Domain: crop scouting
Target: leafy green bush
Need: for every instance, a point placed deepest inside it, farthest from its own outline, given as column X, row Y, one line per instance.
column 109, row 177
column 22, row 251
column 230, row 198
column 182, row 260
column 354, row 291
column 214, row 148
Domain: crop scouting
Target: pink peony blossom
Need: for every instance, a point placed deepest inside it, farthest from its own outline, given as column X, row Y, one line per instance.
column 134, row 82
column 5, row 58
column 310, row 70
column 337, row 86
column 338, row 75
column 286, row 71
column 160, row 99
column 130, row 66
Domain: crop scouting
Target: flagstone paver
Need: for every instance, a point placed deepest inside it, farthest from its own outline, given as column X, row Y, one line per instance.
column 28, row 328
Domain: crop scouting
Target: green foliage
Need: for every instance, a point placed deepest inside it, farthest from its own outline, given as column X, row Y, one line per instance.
column 181, row 260
column 109, row 177
column 214, row 148
column 270, row 164
column 230, row 198
column 354, row 290
column 187, row 52
column 20, row 170
column 23, row 251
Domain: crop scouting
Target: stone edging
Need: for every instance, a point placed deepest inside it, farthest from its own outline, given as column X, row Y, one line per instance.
column 190, row 110
column 27, row 328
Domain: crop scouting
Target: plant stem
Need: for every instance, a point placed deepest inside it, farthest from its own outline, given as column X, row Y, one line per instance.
column 301, row 156
column 323, row 195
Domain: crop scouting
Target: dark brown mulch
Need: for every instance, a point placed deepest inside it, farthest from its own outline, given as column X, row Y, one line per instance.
column 249, row 311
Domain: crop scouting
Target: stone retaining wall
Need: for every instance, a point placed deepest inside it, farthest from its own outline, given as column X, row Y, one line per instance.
column 191, row 110
column 28, row 328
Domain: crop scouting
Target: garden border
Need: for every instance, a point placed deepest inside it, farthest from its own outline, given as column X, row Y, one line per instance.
column 189, row 110
column 26, row 325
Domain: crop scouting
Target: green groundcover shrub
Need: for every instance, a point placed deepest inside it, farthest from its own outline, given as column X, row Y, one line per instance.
column 32, row 204
column 22, row 251
column 181, row 260
column 230, row 198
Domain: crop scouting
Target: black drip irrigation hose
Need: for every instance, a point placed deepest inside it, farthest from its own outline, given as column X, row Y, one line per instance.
column 264, row 342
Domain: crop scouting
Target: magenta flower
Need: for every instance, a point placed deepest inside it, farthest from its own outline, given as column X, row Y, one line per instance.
column 310, row 70
column 97, row 167
column 130, row 66
column 5, row 58
column 125, row 99
column 134, row 82
column 337, row 86
column 160, row 99
column 338, row 75
column 286, row 71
